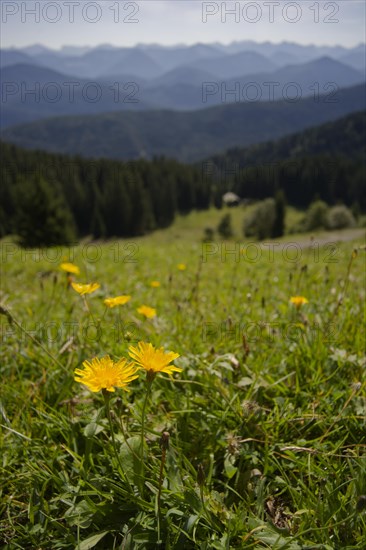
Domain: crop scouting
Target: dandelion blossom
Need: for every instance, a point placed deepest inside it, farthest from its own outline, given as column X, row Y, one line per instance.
column 70, row 268
column 85, row 289
column 153, row 360
column 155, row 284
column 104, row 373
column 298, row 301
column 117, row 301
column 182, row 267
column 149, row 312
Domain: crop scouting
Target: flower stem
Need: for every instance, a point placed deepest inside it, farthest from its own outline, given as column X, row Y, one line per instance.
column 345, row 287
column 164, row 444
column 89, row 310
column 162, row 463
column 143, row 416
column 163, row 457
column 108, row 413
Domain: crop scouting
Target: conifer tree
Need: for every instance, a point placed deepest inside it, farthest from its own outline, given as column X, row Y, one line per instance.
column 278, row 228
column 43, row 218
column 225, row 228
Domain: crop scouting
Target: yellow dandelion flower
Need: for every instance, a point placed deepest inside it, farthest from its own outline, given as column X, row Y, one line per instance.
column 155, row 284
column 85, row 289
column 70, row 268
column 182, row 267
column 153, row 360
column 104, row 373
column 149, row 312
column 117, row 301
column 298, row 301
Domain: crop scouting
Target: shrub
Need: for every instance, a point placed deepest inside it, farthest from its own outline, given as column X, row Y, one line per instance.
column 340, row 217
column 261, row 220
column 316, row 216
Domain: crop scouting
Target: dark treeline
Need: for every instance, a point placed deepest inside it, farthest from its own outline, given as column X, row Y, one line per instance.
column 50, row 199
column 334, row 179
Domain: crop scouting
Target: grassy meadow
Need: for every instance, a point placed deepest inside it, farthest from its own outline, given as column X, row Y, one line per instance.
column 259, row 442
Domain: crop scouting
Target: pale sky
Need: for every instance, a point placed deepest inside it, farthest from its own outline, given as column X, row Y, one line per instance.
column 169, row 22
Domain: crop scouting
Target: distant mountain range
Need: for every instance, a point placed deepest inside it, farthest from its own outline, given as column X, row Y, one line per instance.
column 321, row 76
column 31, row 92
column 185, row 102
column 186, row 136
column 95, row 62
column 76, row 81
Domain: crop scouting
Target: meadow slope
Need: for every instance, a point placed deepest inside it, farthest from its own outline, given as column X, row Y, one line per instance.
column 259, row 442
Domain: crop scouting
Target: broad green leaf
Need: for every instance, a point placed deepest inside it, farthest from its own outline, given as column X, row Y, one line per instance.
column 90, row 542
column 230, row 469
column 92, row 429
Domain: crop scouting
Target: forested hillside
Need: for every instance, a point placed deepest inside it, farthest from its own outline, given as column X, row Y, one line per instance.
column 48, row 198
column 185, row 136
column 326, row 161
column 345, row 136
